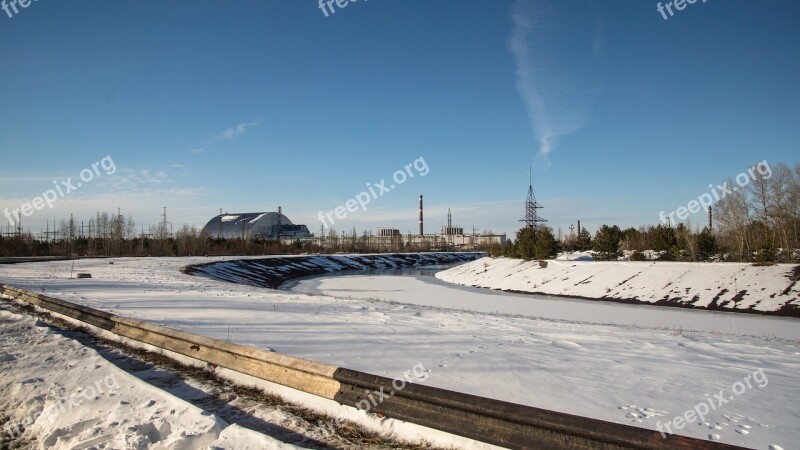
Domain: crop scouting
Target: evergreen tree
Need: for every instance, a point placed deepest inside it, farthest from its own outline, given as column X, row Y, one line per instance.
column 706, row 245
column 606, row 242
column 509, row 250
column 545, row 245
column 539, row 243
column 767, row 252
column 584, row 241
column 682, row 236
column 638, row 256
column 631, row 239
column 664, row 238
column 525, row 244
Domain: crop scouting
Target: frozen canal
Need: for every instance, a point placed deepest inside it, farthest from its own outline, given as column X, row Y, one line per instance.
column 420, row 287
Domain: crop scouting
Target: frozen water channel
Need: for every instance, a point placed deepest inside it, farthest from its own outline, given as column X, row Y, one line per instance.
column 420, row 287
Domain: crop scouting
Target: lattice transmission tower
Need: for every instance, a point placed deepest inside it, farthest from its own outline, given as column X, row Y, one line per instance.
column 532, row 219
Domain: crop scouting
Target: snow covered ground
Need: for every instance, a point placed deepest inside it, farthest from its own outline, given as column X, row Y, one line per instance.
column 526, row 349
column 67, row 396
column 718, row 286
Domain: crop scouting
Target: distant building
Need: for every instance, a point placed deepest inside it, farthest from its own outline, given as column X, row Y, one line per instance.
column 261, row 225
column 388, row 232
column 452, row 231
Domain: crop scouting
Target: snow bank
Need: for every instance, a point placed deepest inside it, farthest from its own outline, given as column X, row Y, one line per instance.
column 723, row 287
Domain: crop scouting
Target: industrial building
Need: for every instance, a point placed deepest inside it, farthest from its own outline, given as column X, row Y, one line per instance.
column 451, row 236
column 260, row 225
column 275, row 225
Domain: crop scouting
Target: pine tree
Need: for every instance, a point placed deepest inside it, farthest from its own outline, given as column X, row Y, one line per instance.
column 545, row 245
column 606, row 242
column 584, row 241
column 706, row 244
column 664, row 238
column 767, row 252
column 525, row 244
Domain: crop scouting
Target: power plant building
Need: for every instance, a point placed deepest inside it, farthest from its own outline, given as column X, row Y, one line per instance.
column 276, row 226
column 260, row 225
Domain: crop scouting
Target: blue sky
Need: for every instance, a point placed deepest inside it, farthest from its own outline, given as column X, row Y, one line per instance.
column 249, row 105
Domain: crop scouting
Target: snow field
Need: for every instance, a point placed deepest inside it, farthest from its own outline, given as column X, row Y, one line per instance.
column 623, row 372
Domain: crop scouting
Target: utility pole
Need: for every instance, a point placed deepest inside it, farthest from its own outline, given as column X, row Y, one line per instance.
column 164, row 222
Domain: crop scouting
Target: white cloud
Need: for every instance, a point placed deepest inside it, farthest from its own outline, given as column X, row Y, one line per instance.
column 238, row 130
column 226, row 135
column 555, row 107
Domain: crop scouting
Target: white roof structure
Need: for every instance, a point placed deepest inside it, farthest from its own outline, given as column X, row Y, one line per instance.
column 259, row 225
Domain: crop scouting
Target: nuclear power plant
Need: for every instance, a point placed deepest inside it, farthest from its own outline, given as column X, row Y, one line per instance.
column 259, row 225
column 450, row 237
column 276, row 226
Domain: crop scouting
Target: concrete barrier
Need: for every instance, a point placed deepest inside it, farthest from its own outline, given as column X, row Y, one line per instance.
column 483, row 419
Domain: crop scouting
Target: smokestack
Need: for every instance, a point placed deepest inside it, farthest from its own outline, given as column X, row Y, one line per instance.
column 420, row 214
column 710, row 223
column 579, row 228
column 278, row 229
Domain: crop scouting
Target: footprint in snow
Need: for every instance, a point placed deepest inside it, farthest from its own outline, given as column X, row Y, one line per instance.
column 567, row 345
column 32, row 381
column 641, row 413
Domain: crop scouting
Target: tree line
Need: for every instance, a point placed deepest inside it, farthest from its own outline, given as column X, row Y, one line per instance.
column 116, row 235
column 759, row 222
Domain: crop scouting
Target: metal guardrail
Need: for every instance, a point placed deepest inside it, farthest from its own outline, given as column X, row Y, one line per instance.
column 483, row 419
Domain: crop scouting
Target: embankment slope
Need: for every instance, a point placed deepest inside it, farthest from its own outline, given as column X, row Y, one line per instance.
column 735, row 287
